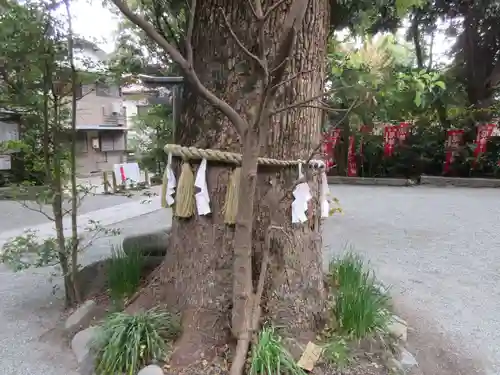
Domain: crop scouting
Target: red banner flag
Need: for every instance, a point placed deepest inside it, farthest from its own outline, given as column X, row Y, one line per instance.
column 403, row 131
column 352, row 168
column 330, row 141
column 390, row 135
column 483, row 133
column 453, row 140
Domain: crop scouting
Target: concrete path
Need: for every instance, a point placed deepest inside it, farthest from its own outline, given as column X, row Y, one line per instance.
column 15, row 215
column 440, row 250
column 106, row 216
column 29, row 311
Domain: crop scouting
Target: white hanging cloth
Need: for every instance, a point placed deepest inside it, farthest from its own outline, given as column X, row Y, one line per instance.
column 302, row 196
column 171, row 182
column 325, row 205
column 202, row 197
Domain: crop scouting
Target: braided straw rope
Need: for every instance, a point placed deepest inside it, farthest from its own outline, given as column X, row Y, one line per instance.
column 195, row 153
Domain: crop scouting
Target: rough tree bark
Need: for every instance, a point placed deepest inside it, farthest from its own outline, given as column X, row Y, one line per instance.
column 197, row 274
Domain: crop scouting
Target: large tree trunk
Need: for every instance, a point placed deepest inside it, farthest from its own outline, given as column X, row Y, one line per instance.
column 197, row 275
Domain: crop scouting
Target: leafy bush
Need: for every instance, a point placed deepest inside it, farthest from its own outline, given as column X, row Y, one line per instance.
column 124, row 273
column 336, row 351
column 28, row 250
column 125, row 343
column 269, row 356
column 360, row 307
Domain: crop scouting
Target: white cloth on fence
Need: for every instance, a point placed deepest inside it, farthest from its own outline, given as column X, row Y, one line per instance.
column 202, row 197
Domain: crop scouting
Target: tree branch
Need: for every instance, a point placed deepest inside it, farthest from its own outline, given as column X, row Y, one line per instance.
column 254, row 10
column 272, row 8
column 252, row 56
column 291, row 78
column 160, row 16
column 189, row 34
column 302, row 103
column 348, row 111
column 316, row 149
column 239, row 123
column 292, row 23
column 39, row 209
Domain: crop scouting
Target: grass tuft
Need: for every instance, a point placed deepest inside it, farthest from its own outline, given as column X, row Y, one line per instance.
column 126, row 343
column 360, row 307
column 124, row 273
column 336, row 351
column 269, row 356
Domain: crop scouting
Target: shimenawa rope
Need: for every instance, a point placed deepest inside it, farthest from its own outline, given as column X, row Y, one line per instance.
column 195, row 153
column 185, row 201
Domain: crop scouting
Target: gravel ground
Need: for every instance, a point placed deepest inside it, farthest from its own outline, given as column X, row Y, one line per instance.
column 438, row 248
column 29, row 344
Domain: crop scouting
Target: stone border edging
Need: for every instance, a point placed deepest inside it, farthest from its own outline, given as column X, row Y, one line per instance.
column 435, row 181
column 335, row 180
column 472, row 182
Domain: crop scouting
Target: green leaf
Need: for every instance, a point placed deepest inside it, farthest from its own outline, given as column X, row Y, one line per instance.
column 440, row 84
column 418, row 99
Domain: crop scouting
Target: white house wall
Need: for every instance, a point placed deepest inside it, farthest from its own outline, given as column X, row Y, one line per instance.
column 9, row 131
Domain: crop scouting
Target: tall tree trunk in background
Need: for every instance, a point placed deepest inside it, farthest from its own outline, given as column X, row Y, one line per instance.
column 479, row 63
column 57, row 206
column 197, row 274
column 439, row 104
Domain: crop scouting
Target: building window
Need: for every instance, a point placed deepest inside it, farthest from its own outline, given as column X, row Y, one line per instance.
column 82, row 144
column 112, row 141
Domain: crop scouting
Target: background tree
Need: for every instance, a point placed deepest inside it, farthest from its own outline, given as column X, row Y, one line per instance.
column 39, row 80
column 153, row 130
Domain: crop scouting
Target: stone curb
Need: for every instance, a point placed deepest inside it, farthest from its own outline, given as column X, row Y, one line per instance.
column 460, row 182
column 436, row 181
column 335, row 180
column 149, row 244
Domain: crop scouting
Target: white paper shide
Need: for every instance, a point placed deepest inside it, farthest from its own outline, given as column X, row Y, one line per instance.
column 325, row 205
column 202, row 197
column 302, row 196
column 171, row 182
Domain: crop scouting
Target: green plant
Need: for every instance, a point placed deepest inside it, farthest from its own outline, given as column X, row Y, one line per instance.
column 360, row 307
column 126, row 342
column 269, row 356
column 124, row 273
column 336, row 351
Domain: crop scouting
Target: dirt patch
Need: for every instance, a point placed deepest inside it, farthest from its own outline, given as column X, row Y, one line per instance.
column 436, row 353
column 359, row 367
column 221, row 365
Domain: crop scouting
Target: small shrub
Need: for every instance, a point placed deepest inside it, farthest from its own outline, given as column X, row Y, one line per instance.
column 269, row 356
column 126, row 343
column 360, row 307
column 124, row 273
column 336, row 351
